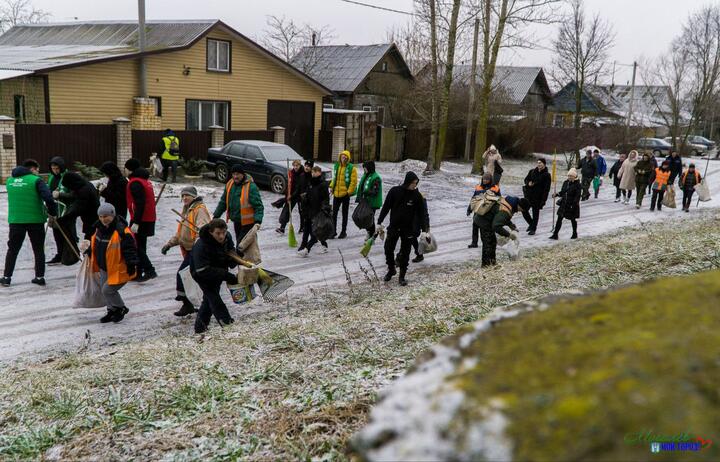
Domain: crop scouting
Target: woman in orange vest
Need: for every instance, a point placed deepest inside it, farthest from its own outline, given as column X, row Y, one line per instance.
column 689, row 179
column 113, row 253
column 662, row 176
column 196, row 216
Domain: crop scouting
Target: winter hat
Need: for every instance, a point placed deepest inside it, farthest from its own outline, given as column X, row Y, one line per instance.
column 132, row 164
column 542, row 159
column 691, row 166
column 105, row 210
column 109, row 168
column 572, row 173
column 237, row 168
column 310, row 163
column 189, row 191
column 409, row 178
column 369, row 166
column 513, row 201
column 487, row 178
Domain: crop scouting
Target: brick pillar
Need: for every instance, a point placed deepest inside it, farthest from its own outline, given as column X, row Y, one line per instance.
column 338, row 142
column 217, row 136
column 8, row 157
column 279, row 134
column 123, row 139
column 143, row 117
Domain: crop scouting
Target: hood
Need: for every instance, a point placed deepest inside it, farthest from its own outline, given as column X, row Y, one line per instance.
column 140, row 173
column 110, row 169
column 73, row 181
column 409, row 178
column 347, row 153
column 20, row 171
column 59, row 161
column 369, row 166
column 513, row 201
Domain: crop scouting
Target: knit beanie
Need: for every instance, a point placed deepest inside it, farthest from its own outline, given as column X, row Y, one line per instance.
column 189, row 191
column 572, row 173
column 105, row 210
column 237, row 168
column 132, row 164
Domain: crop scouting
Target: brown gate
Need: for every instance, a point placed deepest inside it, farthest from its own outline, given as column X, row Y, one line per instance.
column 88, row 144
column 258, row 135
column 193, row 143
column 298, row 118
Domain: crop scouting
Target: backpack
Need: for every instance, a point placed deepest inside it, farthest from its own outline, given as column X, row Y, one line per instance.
column 482, row 203
column 174, row 146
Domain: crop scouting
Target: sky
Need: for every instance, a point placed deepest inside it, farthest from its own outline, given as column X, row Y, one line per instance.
column 644, row 28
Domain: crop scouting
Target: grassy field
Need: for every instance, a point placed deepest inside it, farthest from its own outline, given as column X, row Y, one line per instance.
column 298, row 383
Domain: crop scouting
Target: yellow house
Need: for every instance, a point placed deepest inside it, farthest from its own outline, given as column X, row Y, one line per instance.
column 199, row 74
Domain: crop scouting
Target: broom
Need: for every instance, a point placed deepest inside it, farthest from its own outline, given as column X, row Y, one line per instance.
column 292, row 241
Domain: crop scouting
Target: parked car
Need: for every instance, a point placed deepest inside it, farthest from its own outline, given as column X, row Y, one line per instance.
column 656, row 145
column 689, row 147
column 697, row 139
column 267, row 162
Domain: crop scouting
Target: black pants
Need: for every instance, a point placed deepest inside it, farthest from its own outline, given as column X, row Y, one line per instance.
column 640, row 194
column 415, row 244
column 179, row 286
column 145, row 266
column 489, row 242
column 16, row 237
column 167, row 165
column 533, row 219
column 241, row 231
column 212, row 305
column 345, row 203
column 475, row 233
column 283, row 223
column 309, row 239
column 657, row 198
column 586, row 182
column 391, row 240
column 558, row 225
column 687, row 197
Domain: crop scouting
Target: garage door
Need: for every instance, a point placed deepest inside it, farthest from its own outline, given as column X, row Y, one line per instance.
column 298, row 118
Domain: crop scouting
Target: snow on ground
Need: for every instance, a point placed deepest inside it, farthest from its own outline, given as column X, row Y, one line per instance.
column 40, row 321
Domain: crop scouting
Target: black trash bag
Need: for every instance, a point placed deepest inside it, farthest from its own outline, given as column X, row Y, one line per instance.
column 279, row 203
column 284, row 215
column 363, row 216
column 323, row 226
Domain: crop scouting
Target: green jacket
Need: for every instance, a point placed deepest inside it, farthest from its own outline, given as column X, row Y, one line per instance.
column 234, row 206
column 496, row 219
column 370, row 188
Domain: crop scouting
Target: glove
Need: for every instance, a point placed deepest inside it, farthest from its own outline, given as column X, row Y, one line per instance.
column 55, row 194
column 165, row 249
column 101, row 187
column 134, row 228
column 84, row 245
column 514, row 235
column 257, row 225
column 231, row 278
column 131, row 269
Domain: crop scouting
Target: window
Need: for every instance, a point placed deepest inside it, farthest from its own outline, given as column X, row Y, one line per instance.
column 384, row 66
column 367, row 108
column 158, row 105
column 252, row 153
column 236, row 150
column 218, row 55
column 19, row 102
column 200, row 115
column 328, row 106
column 558, row 120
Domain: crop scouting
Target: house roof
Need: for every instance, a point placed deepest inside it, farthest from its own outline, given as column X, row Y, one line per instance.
column 564, row 101
column 342, row 68
column 38, row 48
column 515, row 81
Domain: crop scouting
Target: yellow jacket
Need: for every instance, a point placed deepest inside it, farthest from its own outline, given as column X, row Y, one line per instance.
column 339, row 185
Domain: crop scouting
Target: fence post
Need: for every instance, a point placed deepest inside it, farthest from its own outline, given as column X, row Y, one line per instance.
column 8, row 156
column 279, row 134
column 123, row 138
column 338, row 142
column 217, row 136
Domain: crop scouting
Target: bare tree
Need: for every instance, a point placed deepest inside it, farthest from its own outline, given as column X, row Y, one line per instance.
column 14, row 12
column 284, row 38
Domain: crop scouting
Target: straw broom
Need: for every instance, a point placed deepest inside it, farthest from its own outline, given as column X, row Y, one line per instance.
column 292, row 240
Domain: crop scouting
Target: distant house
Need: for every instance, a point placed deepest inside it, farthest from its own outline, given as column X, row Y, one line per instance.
column 361, row 77
column 562, row 112
column 199, row 74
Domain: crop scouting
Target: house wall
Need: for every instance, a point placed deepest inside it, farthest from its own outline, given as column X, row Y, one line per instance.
column 382, row 88
column 32, row 88
column 98, row 93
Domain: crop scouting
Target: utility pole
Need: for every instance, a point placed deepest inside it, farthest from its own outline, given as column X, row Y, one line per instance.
column 141, row 46
column 632, row 99
column 471, row 100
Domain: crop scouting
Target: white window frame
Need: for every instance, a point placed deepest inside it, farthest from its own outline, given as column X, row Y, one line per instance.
column 555, row 121
column 367, row 108
column 215, row 67
column 328, row 106
column 199, row 104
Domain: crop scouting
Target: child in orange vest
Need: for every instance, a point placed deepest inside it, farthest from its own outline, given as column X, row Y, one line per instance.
column 662, row 177
column 688, row 180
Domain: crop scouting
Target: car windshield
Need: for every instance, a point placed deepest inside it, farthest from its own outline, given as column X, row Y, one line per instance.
column 661, row 143
column 280, row 153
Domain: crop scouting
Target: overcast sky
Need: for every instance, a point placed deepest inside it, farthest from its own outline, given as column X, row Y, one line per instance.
column 643, row 27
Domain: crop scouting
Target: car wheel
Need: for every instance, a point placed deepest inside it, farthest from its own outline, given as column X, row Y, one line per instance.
column 221, row 172
column 277, row 184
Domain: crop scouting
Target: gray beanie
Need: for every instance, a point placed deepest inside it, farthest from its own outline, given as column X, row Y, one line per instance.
column 189, row 191
column 106, row 210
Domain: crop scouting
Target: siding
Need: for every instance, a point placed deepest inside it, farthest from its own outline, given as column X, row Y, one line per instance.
column 98, row 93
column 32, row 89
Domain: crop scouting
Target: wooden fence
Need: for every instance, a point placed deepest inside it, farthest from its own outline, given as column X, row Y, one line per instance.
column 193, row 143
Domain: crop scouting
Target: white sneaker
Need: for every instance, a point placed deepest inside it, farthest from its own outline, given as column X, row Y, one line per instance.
column 303, row 253
column 617, row 200
column 637, row 206
column 323, row 249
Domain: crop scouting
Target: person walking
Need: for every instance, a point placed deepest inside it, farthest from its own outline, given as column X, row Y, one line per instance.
column 492, row 164
column 296, row 179
column 84, row 202
column 654, row 165
column 688, row 180
column 316, row 200
column 113, row 254
column 485, row 185
column 209, row 267
column 627, row 176
column 370, row 190
column 601, row 170
column 588, row 170
column 343, row 187
column 643, row 170
column 170, row 149
column 662, row 177
column 28, row 199
column 195, row 215
column 114, row 191
column 57, row 171
column 536, row 190
column 241, row 203
column 404, row 203
column 569, row 204
column 676, row 168
column 615, row 176
column 140, row 199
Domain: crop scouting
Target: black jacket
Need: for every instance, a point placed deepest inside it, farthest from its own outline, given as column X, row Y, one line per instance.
column 128, row 247
column 537, row 194
column 404, row 206
column 298, row 183
column 42, row 190
column 209, row 263
column 676, row 168
column 588, row 167
column 421, row 221
column 146, row 228
column 114, row 193
column 317, row 197
column 83, row 200
column 569, row 203
column 54, row 180
column 614, row 170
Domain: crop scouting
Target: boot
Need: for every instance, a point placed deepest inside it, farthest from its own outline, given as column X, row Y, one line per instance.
column 225, row 322
column 554, row 237
column 342, row 235
column 401, row 278
column 417, row 259
column 5, row 281
column 391, row 272
column 119, row 314
column 531, row 232
column 200, row 327
column 574, row 236
column 56, row 260
column 39, row 281
column 473, row 245
column 108, row 316
column 186, row 308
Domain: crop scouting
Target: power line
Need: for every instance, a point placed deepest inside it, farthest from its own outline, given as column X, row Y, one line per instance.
column 378, row 7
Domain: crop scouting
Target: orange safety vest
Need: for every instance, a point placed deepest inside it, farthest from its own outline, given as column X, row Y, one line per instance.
column 661, row 178
column 116, row 267
column 494, row 188
column 685, row 174
column 192, row 228
column 247, row 212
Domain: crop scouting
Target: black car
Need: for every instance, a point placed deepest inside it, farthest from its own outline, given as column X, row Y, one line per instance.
column 267, row 162
column 656, row 145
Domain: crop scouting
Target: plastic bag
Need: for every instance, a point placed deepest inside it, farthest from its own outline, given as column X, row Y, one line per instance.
column 426, row 243
column 157, row 166
column 669, row 198
column 247, row 276
column 88, row 290
column 703, row 191
column 323, row 226
column 363, row 216
column 193, row 292
column 241, row 294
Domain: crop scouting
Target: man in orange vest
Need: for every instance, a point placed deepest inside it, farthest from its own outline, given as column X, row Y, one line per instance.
column 241, row 203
